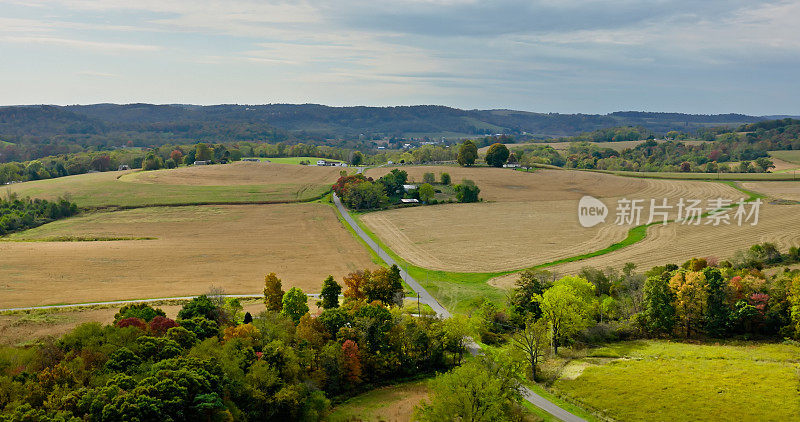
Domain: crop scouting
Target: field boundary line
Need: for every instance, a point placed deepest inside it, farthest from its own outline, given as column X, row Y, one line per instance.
column 191, row 204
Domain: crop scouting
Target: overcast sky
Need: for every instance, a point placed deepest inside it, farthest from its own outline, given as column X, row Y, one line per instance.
column 709, row 56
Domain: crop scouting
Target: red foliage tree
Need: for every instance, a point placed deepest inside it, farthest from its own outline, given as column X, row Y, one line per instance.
column 344, row 182
column 132, row 322
column 352, row 362
column 176, row 155
column 101, row 163
column 159, row 325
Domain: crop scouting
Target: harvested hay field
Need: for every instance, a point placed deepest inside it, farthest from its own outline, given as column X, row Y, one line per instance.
column 793, row 156
column 457, row 238
column 498, row 184
column 232, row 247
column 239, row 173
column 534, row 224
column 232, row 183
column 787, row 190
column 676, row 243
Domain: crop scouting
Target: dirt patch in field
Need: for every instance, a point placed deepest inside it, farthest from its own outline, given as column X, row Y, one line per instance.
column 776, row 190
column 195, row 247
column 239, row 173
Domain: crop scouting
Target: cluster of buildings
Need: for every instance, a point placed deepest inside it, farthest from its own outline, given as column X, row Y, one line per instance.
column 326, row 163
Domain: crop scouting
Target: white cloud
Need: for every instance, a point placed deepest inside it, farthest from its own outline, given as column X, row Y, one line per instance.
column 81, row 44
column 94, row 74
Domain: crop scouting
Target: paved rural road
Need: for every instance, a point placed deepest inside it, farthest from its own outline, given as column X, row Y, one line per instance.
column 426, row 297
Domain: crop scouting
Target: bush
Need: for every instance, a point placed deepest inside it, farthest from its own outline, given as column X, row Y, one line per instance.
column 199, row 307
column 142, row 311
column 467, row 191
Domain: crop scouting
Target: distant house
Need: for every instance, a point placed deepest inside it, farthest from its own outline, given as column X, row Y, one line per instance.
column 409, row 201
column 251, row 159
column 124, row 167
column 511, row 165
column 201, row 163
column 409, row 187
column 331, row 163
column 390, row 162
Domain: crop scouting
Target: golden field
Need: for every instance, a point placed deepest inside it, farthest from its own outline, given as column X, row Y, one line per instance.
column 527, row 219
column 241, row 182
column 194, row 247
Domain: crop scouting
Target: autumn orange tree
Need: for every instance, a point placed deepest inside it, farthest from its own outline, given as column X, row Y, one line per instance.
column 355, row 282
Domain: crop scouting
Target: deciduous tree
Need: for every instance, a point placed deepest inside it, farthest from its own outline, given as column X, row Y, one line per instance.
column 355, row 282
column 480, row 390
column 497, row 155
column 532, row 340
column 567, row 307
column 295, row 304
column 691, row 298
column 273, row 293
column 467, row 191
column 330, row 293
column 658, row 315
column 467, row 153
column 426, row 192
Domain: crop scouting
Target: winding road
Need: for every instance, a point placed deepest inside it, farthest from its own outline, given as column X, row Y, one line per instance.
column 424, row 297
column 440, row 310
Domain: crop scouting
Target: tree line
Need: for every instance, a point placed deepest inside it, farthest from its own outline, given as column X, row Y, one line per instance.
column 359, row 192
column 215, row 362
column 17, row 214
column 702, row 298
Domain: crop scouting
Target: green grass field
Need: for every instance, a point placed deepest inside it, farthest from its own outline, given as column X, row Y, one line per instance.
column 789, row 156
column 394, row 403
column 667, row 381
column 294, row 160
column 105, row 190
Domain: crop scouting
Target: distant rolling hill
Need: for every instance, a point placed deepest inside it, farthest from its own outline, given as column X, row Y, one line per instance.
column 149, row 124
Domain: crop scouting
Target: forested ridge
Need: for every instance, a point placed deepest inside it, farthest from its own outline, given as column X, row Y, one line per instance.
column 42, row 130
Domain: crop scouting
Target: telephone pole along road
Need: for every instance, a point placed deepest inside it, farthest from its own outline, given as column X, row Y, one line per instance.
column 441, row 312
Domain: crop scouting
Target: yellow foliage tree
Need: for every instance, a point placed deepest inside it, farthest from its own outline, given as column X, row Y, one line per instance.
column 691, row 298
column 248, row 333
